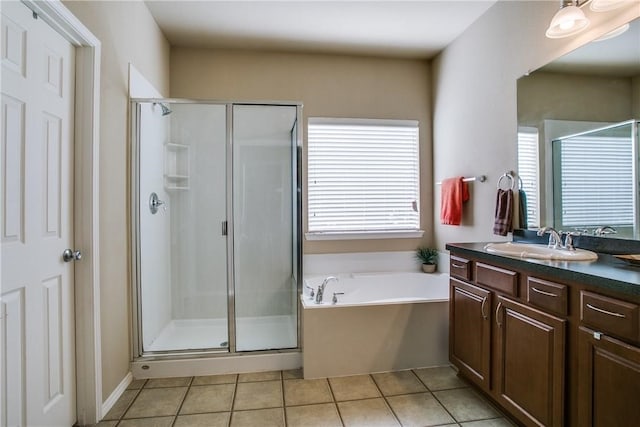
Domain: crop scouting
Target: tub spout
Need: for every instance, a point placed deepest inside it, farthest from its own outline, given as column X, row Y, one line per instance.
column 320, row 292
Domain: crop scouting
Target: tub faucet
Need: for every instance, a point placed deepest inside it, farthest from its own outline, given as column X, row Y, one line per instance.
column 555, row 241
column 320, row 292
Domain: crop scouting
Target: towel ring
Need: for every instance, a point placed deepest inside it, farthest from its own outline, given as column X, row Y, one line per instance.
column 510, row 178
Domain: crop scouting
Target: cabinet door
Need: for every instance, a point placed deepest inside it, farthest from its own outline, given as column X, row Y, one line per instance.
column 531, row 356
column 470, row 331
column 608, row 381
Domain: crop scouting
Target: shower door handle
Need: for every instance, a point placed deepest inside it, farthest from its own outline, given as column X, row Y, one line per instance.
column 224, row 228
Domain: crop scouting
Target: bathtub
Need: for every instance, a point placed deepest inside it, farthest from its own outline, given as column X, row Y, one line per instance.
column 383, row 322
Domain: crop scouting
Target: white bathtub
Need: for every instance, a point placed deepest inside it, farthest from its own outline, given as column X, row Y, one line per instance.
column 383, row 322
column 378, row 288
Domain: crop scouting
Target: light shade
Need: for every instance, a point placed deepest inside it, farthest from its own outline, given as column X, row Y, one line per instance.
column 614, row 33
column 566, row 22
column 606, row 5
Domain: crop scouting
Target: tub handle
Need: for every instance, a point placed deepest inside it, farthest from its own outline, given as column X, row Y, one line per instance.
column 498, row 315
column 312, row 292
column 484, row 302
column 335, row 297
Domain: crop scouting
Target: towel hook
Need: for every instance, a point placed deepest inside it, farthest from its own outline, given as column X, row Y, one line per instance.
column 509, row 177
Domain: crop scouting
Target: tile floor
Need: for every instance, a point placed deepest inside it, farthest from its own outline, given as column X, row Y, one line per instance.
column 418, row 397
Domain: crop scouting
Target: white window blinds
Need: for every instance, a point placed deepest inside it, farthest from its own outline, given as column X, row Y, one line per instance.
column 596, row 180
column 528, row 171
column 363, row 175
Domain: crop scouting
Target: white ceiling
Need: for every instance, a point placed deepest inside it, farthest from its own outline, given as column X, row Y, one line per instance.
column 418, row 29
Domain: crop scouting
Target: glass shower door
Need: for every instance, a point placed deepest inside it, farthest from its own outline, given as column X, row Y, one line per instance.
column 183, row 252
column 264, row 203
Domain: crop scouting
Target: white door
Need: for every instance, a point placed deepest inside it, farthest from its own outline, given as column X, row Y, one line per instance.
column 37, row 354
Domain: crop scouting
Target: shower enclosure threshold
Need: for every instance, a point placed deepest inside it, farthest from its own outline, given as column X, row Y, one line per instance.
column 262, row 361
column 199, row 334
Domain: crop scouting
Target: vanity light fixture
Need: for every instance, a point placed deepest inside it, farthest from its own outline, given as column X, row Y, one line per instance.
column 606, row 5
column 613, row 33
column 568, row 21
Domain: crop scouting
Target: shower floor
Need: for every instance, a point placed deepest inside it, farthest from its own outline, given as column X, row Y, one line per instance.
column 252, row 333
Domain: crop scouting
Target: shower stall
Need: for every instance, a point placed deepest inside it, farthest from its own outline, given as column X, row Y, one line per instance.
column 216, row 227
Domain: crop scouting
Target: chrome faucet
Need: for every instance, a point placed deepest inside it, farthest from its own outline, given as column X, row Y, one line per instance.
column 607, row 229
column 320, row 292
column 555, row 241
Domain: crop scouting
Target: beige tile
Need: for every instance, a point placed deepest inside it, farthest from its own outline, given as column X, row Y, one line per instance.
column 136, row 384
column 208, row 398
column 400, row 382
column 421, row 409
column 324, row 415
column 306, row 392
column 258, row 395
column 367, row 413
column 168, row 382
column 354, row 387
column 215, row 379
column 147, row 422
column 496, row 422
column 440, row 378
column 119, row 408
column 106, row 424
column 219, row 419
column 156, row 402
column 263, row 417
column 465, row 404
column 259, row 376
column 292, row 374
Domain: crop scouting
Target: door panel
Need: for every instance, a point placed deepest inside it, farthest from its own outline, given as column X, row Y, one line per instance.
column 470, row 332
column 531, row 363
column 38, row 351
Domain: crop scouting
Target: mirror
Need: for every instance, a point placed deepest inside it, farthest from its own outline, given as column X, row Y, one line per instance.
column 593, row 87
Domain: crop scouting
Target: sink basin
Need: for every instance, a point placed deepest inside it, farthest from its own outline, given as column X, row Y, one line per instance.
column 531, row 250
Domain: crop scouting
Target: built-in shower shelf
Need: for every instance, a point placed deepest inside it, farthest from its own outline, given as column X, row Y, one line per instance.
column 176, row 166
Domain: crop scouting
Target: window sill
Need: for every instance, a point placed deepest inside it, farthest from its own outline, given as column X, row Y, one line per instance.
column 362, row 235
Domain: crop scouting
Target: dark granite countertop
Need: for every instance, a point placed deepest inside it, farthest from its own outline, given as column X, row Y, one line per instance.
column 606, row 272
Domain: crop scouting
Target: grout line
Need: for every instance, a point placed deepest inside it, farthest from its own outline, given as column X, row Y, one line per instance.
column 183, row 399
column 284, row 403
column 335, row 402
column 386, row 402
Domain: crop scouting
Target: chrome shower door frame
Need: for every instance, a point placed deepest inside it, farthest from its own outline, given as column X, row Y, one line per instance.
column 137, row 349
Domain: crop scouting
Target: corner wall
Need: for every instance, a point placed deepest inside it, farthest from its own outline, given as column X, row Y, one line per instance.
column 128, row 33
column 474, row 100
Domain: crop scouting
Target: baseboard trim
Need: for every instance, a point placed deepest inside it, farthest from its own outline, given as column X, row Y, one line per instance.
column 115, row 395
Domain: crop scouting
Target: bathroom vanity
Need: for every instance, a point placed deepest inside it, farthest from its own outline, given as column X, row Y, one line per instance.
column 553, row 343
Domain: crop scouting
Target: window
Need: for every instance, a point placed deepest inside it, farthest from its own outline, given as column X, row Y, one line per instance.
column 363, row 177
column 595, row 185
column 528, row 171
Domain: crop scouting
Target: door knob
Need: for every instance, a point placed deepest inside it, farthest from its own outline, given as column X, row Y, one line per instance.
column 69, row 255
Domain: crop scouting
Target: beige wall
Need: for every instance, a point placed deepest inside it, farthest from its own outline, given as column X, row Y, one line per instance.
column 128, row 33
column 635, row 107
column 474, row 100
column 555, row 96
column 329, row 86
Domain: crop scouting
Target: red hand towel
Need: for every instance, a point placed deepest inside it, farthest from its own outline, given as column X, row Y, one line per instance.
column 454, row 192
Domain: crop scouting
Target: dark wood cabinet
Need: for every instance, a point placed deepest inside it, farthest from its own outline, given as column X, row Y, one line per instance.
column 608, row 381
column 470, row 331
column 530, row 355
column 550, row 350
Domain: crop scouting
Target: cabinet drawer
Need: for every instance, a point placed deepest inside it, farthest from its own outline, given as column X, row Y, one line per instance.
column 548, row 295
column 502, row 280
column 610, row 315
column 460, row 267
